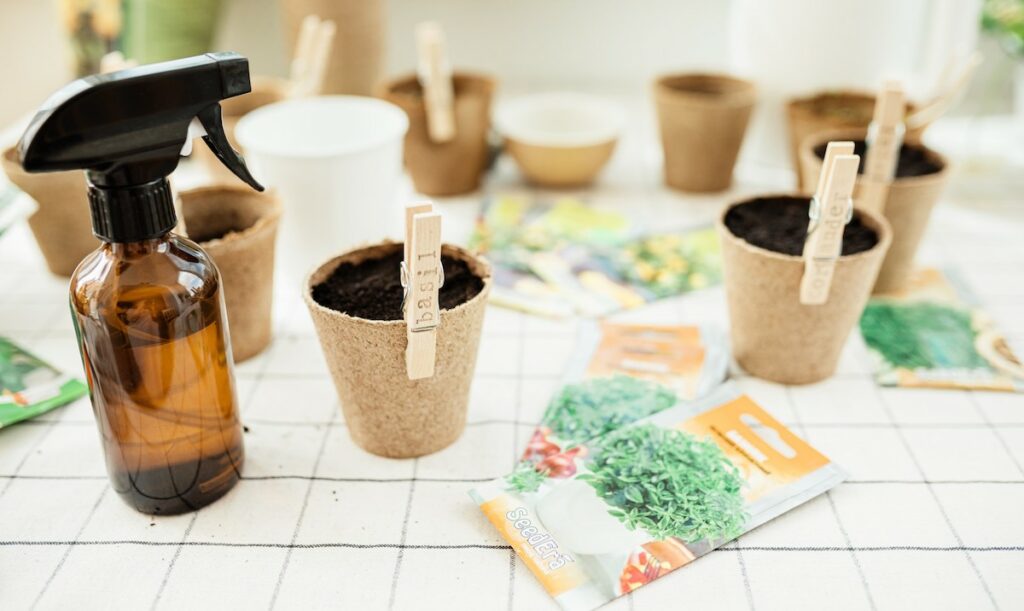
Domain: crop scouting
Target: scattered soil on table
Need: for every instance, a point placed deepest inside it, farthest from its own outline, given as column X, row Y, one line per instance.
column 780, row 224
column 914, row 160
column 373, row 290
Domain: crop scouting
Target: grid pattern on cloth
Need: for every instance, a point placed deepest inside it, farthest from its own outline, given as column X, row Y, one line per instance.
column 930, row 514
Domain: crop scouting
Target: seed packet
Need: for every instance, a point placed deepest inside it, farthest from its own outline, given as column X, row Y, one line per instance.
column 29, row 386
column 14, row 206
column 645, row 499
column 619, row 374
column 930, row 336
column 564, row 257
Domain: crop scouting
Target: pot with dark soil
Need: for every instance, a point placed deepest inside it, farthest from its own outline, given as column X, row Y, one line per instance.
column 830, row 111
column 921, row 176
column 456, row 166
column 774, row 335
column 237, row 227
column 355, row 300
column 61, row 225
column 702, row 119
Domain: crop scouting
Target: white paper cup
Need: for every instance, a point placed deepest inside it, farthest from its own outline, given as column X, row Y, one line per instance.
column 336, row 162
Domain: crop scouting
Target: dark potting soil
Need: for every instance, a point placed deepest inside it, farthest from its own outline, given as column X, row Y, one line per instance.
column 372, row 289
column 780, row 224
column 914, row 160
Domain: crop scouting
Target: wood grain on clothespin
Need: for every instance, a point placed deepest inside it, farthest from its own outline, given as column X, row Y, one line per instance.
column 304, row 49
column 831, row 210
column 885, row 137
column 423, row 278
column 320, row 56
column 435, row 75
column 312, row 53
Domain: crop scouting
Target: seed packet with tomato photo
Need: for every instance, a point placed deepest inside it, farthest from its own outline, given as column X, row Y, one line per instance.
column 29, row 386
column 619, row 374
column 634, row 504
column 929, row 336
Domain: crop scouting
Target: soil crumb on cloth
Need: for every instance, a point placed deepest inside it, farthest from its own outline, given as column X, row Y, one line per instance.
column 780, row 224
column 372, row 289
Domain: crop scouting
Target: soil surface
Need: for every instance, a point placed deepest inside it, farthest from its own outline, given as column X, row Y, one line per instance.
column 373, row 290
column 780, row 224
column 914, row 160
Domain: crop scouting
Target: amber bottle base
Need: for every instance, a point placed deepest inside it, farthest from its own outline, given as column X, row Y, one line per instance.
column 179, row 488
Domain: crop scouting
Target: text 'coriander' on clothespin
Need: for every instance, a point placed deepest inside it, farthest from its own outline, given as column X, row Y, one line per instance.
column 309, row 64
column 435, row 75
column 885, row 138
column 831, row 209
column 422, row 277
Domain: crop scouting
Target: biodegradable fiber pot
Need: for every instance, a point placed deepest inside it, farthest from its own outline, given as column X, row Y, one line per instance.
column 830, row 111
column 385, row 412
column 237, row 227
column 456, row 166
column 357, row 55
column 702, row 119
column 774, row 336
column 62, row 224
column 908, row 207
column 266, row 90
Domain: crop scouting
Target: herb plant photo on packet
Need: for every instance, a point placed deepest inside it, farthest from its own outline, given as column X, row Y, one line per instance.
column 640, row 501
column 29, row 386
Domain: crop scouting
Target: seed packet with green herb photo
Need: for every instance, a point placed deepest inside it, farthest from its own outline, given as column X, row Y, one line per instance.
column 652, row 496
column 29, row 386
column 928, row 336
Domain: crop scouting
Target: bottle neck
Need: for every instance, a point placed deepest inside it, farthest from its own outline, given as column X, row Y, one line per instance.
column 129, row 250
column 132, row 214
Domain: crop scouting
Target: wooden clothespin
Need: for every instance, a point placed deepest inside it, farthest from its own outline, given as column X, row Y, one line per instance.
column 422, row 277
column 312, row 51
column 831, row 210
column 435, row 75
column 114, row 61
column 885, row 137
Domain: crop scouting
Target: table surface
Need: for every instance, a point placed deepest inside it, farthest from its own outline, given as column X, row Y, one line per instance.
column 930, row 516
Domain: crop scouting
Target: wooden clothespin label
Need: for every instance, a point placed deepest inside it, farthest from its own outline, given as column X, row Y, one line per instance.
column 831, row 209
column 885, row 137
column 422, row 277
column 312, row 52
column 435, row 76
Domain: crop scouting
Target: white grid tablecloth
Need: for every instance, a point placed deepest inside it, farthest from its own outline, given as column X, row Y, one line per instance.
column 930, row 518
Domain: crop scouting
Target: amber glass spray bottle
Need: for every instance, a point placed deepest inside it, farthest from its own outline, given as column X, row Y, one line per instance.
column 147, row 305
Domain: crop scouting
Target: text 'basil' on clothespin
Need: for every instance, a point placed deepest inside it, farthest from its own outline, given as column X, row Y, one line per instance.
column 312, row 50
column 885, row 138
column 435, row 76
column 831, row 209
column 422, row 276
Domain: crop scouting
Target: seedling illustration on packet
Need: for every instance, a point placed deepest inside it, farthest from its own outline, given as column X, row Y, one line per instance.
column 929, row 336
column 29, row 386
column 649, row 497
column 556, row 259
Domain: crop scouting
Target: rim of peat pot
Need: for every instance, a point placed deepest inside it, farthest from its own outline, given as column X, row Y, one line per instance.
column 705, row 89
column 477, row 264
column 874, row 221
column 811, row 142
column 271, row 212
column 527, row 120
column 407, row 87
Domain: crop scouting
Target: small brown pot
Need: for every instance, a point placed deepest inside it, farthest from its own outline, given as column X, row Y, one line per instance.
column 446, row 168
column 776, row 337
column 830, row 111
column 357, row 55
column 387, row 413
column 907, row 209
column 702, row 118
column 62, row 225
column 265, row 91
column 237, row 227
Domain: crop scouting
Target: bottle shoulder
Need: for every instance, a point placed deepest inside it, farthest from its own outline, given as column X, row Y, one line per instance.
column 173, row 270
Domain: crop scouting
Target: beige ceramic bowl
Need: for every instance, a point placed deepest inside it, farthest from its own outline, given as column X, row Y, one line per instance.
column 560, row 139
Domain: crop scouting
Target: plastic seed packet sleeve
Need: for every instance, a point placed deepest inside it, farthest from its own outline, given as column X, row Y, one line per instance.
column 931, row 336
column 29, row 386
column 653, row 496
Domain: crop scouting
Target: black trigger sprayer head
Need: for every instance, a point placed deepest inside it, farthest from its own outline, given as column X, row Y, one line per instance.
column 127, row 129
